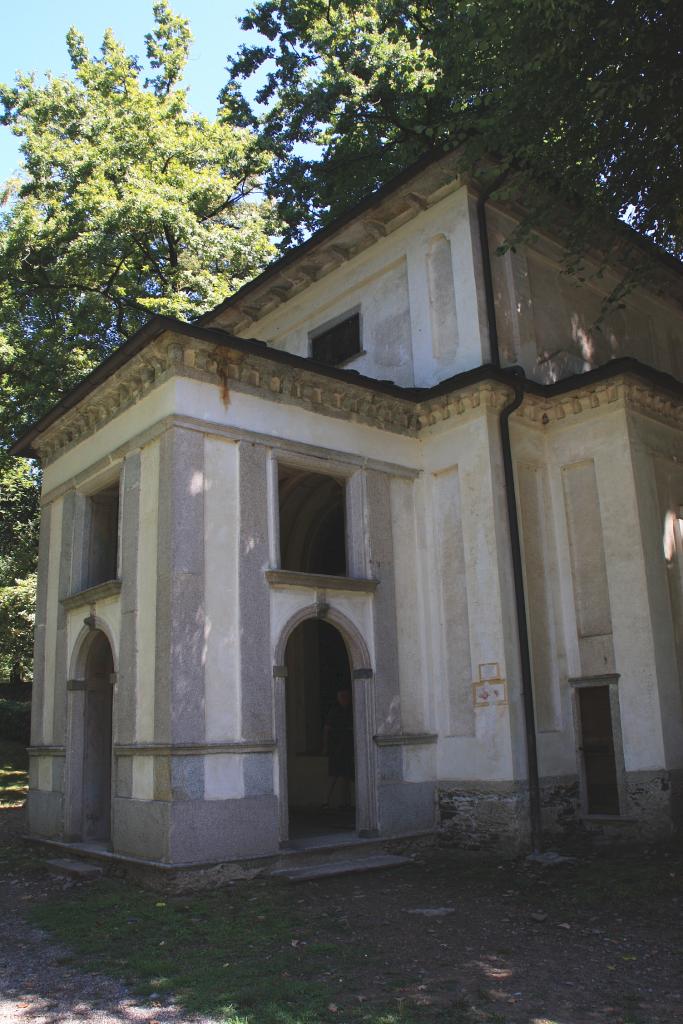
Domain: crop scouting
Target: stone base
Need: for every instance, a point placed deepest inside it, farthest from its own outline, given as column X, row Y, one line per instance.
column 45, row 813
column 196, row 831
column 406, row 807
column 140, row 828
column 195, row 877
column 655, row 800
column 653, row 809
column 561, row 806
column 218, row 830
column 494, row 816
column 491, row 816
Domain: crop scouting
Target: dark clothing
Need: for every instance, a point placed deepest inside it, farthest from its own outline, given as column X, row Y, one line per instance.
column 339, row 729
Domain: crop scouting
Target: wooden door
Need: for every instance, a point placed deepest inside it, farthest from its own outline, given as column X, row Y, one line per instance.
column 597, row 748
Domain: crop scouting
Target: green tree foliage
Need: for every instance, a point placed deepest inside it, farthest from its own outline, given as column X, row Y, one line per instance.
column 579, row 99
column 18, row 543
column 128, row 204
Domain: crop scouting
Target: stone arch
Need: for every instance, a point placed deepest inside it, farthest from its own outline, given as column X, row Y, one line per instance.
column 84, row 641
column 356, row 647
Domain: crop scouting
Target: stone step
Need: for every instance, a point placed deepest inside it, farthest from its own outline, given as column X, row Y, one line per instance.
column 348, row 866
column 78, row 869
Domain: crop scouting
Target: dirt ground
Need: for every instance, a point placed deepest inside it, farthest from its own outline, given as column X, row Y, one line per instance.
column 449, row 938
column 38, row 983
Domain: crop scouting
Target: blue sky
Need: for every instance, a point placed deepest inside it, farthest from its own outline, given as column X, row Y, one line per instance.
column 33, row 39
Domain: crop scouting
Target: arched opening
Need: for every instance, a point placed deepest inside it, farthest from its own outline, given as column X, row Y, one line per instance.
column 312, row 522
column 97, row 745
column 320, row 731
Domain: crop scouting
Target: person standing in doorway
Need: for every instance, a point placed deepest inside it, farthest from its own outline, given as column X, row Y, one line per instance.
column 338, row 745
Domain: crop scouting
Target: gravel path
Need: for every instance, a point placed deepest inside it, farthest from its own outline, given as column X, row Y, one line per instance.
column 38, row 981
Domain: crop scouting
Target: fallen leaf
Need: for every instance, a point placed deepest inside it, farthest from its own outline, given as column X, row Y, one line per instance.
column 333, row 1008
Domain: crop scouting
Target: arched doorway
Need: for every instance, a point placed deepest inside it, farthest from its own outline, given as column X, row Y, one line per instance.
column 320, row 733
column 97, row 740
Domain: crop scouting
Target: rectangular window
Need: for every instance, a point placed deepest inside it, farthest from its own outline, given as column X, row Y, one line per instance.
column 103, row 536
column 335, row 344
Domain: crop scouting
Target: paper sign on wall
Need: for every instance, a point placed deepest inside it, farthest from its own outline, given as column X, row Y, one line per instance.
column 489, row 689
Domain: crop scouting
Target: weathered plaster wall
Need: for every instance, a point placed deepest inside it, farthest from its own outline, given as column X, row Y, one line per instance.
column 421, row 311
column 547, row 319
column 600, row 600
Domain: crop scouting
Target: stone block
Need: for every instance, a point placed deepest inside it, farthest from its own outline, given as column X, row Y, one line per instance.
column 406, row 807
column 58, row 764
column 141, row 828
column 45, row 813
column 216, row 830
column 187, row 778
column 258, row 774
column 124, row 776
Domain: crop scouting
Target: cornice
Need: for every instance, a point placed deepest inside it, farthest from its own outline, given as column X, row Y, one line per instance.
column 625, row 391
column 411, row 412
column 231, row 371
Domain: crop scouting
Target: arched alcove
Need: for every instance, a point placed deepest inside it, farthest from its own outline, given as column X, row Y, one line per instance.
column 320, row 730
column 97, row 769
column 89, row 789
column 312, row 522
column 319, row 656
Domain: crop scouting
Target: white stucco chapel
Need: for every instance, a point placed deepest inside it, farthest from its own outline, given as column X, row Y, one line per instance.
column 398, row 465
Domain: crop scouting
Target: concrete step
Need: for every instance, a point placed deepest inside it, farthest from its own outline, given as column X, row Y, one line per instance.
column 339, row 866
column 81, row 870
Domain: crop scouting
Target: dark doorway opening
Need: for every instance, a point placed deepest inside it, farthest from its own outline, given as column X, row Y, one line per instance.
column 597, row 750
column 312, row 522
column 320, row 732
column 97, row 751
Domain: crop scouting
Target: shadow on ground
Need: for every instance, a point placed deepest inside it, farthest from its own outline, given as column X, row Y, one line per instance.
column 448, row 938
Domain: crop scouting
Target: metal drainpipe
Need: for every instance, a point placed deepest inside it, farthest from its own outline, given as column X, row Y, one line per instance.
column 517, row 381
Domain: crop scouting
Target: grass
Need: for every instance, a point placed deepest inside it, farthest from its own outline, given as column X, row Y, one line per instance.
column 241, row 955
column 256, row 953
column 13, row 773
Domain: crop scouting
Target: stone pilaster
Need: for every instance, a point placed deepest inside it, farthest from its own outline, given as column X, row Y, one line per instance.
column 179, row 675
column 126, row 682
column 39, row 630
column 70, row 560
column 381, row 567
column 256, row 670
